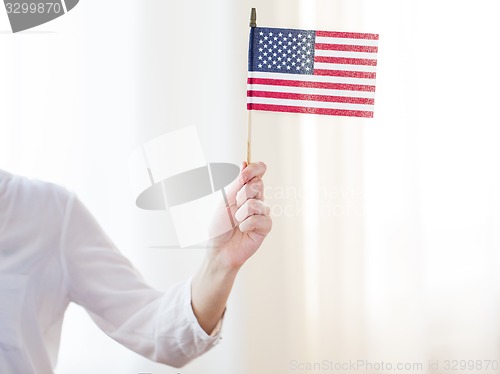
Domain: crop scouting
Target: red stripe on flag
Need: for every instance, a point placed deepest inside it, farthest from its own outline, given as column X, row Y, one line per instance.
column 345, row 73
column 306, row 84
column 346, row 47
column 344, row 60
column 323, row 98
column 350, row 35
column 324, row 111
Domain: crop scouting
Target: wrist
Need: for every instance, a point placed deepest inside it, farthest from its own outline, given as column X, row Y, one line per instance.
column 218, row 263
column 210, row 289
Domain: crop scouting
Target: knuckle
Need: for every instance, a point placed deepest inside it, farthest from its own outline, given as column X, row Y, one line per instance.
column 255, row 187
column 240, row 194
column 253, row 205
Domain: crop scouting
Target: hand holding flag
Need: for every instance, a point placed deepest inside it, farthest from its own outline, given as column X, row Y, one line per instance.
column 249, row 213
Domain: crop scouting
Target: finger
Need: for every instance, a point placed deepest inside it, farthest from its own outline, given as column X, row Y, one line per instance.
column 259, row 224
column 252, row 190
column 255, row 169
column 250, row 208
column 247, row 173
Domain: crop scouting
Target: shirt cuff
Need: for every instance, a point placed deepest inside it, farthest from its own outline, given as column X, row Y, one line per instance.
column 216, row 335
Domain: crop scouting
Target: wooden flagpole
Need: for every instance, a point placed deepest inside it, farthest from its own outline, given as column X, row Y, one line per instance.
column 249, row 138
column 253, row 23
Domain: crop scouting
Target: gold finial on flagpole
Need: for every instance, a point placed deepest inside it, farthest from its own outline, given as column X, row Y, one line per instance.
column 253, row 18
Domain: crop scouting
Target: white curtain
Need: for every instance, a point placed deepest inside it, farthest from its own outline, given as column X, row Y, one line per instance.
column 390, row 252
column 385, row 241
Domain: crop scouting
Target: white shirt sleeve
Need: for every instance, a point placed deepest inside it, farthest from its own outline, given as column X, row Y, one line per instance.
column 159, row 326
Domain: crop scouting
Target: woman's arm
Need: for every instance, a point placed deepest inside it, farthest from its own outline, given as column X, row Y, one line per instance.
column 212, row 284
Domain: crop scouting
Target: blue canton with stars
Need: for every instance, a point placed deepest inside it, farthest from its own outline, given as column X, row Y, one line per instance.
column 281, row 50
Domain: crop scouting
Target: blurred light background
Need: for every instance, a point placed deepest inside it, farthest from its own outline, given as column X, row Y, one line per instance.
column 386, row 242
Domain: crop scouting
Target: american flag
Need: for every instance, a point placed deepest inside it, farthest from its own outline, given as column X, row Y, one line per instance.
column 304, row 71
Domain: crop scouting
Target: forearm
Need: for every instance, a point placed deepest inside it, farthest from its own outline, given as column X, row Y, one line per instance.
column 210, row 290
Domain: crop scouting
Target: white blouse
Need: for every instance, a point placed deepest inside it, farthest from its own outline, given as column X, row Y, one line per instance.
column 53, row 252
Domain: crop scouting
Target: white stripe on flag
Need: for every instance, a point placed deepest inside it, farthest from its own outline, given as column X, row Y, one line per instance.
column 347, row 67
column 329, row 40
column 310, row 91
column 309, row 104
